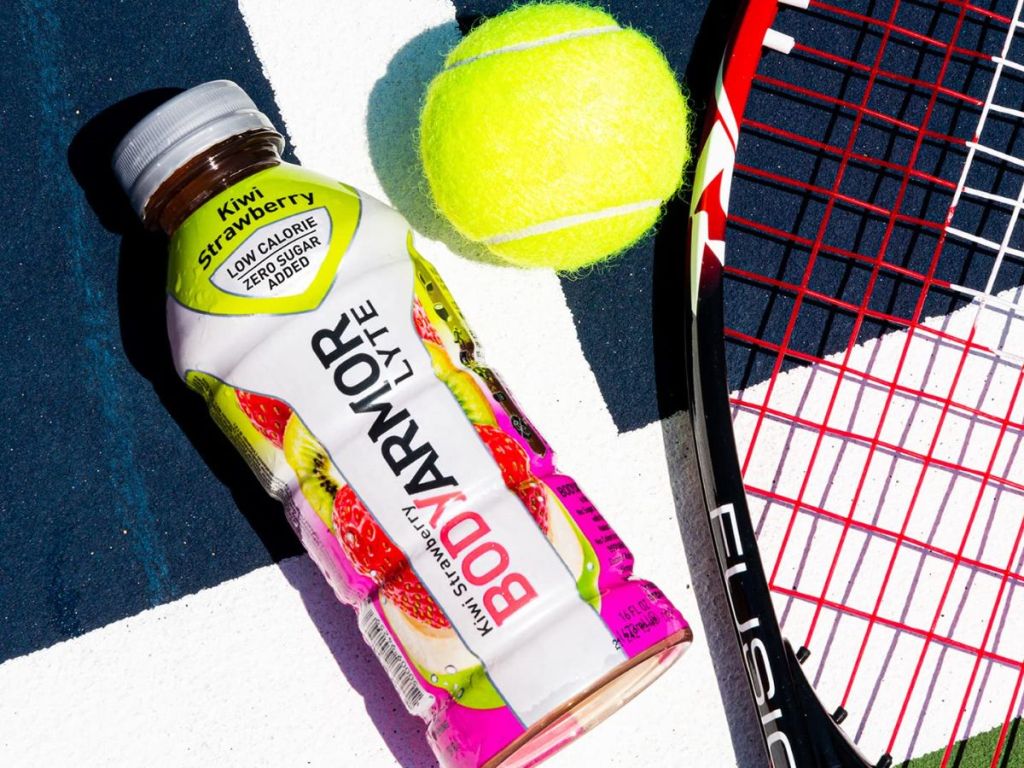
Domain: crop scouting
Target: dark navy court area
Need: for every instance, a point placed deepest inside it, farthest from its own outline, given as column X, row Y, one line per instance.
column 120, row 494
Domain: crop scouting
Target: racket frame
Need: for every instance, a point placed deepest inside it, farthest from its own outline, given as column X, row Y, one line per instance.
column 798, row 732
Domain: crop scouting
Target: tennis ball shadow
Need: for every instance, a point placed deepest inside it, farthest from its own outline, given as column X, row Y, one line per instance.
column 392, row 125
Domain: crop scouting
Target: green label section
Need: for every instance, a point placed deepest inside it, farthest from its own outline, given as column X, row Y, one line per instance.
column 271, row 244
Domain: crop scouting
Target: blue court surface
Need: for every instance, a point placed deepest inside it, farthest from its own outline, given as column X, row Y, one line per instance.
column 154, row 604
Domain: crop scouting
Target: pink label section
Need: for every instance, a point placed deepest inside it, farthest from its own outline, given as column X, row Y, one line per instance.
column 636, row 612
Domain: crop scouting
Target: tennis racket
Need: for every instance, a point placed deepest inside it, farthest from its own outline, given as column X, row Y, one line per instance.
column 857, row 257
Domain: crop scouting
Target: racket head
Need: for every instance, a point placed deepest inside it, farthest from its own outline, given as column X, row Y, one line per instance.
column 846, row 170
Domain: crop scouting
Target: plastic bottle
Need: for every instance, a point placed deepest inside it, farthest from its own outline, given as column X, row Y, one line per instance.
column 496, row 596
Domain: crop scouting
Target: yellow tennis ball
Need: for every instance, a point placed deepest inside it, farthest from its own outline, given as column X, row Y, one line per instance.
column 553, row 135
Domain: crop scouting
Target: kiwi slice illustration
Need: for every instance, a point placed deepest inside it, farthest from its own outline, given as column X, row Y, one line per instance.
column 443, row 659
column 470, row 687
column 317, row 478
column 439, row 360
column 575, row 549
column 470, row 397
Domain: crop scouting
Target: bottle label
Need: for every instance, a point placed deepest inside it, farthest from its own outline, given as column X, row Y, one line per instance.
column 279, row 259
column 333, row 356
column 269, row 245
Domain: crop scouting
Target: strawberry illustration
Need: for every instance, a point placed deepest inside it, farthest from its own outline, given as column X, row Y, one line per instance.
column 374, row 555
column 534, row 496
column 371, row 551
column 409, row 594
column 424, row 328
column 268, row 415
column 511, row 458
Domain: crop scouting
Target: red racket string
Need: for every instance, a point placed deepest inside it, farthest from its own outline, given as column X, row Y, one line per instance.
column 802, row 290
column 879, row 73
column 832, row 301
column 898, row 625
column 832, row 250
column 874, row 314
column 983, row 486
column 850, row 200
column 925, row 464
column 861, row 18
column 874, row 72
column 1005, row 578
column 777, row 367
column 904, row 389
column 878, row 530
column 1001, row 741
column 913, row 325
column 825, row 148
column 811, row 93
column 889, row 447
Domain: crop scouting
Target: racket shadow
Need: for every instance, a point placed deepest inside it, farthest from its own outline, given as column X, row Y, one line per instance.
column 671, row 333
column 692, row 517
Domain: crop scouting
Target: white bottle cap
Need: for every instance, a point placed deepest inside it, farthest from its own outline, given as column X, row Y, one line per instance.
column 179, row 130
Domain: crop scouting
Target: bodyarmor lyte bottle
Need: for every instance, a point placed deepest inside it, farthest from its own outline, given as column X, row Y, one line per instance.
column 497, row 597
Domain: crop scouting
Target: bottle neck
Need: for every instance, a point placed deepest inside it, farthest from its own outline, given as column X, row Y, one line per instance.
column 204, row 176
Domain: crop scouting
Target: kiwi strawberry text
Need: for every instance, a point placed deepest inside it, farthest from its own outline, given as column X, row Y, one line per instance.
column 242, row 212
column 367, row 369
column 467, row 553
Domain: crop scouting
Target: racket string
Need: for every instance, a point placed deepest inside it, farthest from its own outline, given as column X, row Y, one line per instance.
column 997, row 603
column 800, row 294
column 913, row 326
column 866, row 379
column 881, row 49
column 931, row 633
column 891, row 448
column 847, row 307
column 921, row 545
column 923, row 474
column 874, row 72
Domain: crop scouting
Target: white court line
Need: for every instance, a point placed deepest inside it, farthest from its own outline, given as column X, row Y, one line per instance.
column 528, row 335
column 239, row 674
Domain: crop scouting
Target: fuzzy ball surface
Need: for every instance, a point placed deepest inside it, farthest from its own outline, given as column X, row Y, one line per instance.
column 554, row 136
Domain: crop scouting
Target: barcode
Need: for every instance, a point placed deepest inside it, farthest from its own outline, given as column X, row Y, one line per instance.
column 376, row 634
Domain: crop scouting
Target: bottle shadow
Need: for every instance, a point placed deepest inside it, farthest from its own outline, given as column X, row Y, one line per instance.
column 142, row 277
column 403, row 733
column 671, row 327
column 142, row 297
